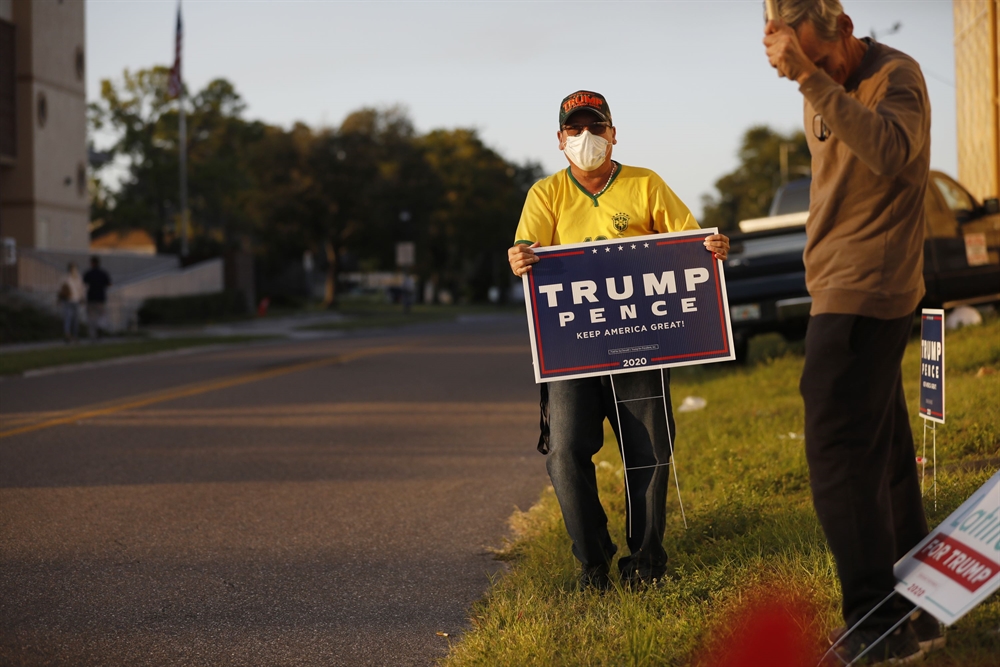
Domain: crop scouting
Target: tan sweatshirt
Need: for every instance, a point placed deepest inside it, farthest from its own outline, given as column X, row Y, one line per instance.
column 864, row 254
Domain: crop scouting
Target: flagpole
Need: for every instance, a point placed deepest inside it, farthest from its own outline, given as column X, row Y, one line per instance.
column 184, row 185
column 182, row 132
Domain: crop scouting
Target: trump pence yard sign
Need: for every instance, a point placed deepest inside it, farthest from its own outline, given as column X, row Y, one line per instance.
column 627, row 304
column 932, row 364
column 957, row 566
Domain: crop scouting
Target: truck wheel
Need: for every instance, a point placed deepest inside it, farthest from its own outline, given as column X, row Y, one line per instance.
column 741, row 342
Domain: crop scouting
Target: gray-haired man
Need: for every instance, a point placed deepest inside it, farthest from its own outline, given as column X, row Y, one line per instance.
column 867, row 121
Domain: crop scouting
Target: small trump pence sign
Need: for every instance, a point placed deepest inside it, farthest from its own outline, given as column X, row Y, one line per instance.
column 625, row 305
column 932, row 364
column 957, row 566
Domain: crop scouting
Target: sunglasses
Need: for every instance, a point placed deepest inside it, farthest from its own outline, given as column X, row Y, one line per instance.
column 597, row 128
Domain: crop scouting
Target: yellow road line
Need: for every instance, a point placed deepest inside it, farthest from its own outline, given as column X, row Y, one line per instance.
column 195, row 389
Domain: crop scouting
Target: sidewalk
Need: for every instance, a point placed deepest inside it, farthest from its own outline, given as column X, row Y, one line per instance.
column 290, row 327
column 14, row 348
column 285, row 326
column 280, row 327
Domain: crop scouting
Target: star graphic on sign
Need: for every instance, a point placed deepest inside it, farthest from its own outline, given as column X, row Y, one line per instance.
column 620, row 248
column 633, row 246
column 606, row 249
column 645, row 245
column 594, row 251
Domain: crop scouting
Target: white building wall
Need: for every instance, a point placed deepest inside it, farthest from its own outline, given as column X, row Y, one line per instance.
column 134, row 279
column 43, row 195
column 124, row 301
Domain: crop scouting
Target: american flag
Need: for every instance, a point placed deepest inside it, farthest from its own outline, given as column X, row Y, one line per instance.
column 176, row 83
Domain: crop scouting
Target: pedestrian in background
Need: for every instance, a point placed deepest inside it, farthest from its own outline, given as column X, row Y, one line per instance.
column 70, row 298
column 98, row 281
column 867, row 120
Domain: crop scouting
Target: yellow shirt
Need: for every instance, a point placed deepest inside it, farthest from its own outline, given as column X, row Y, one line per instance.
column 636, row 202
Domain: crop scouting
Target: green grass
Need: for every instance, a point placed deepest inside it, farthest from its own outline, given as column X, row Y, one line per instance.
column 364, row 315
column 18, row 362
column 752, row 533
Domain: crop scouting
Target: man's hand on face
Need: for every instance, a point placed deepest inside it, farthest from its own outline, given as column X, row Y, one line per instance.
column 521, row 257
column 784, row 51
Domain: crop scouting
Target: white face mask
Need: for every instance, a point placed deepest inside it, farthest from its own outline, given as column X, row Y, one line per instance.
column 587, row 151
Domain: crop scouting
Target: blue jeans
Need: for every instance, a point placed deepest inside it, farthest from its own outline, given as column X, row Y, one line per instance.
column 71, row 319
column 576, row 410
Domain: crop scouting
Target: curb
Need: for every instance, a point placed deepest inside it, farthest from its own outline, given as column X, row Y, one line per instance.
column 118, row 361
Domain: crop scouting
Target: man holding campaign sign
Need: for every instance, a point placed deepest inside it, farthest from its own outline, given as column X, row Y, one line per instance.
column 867, row 121
column 587, row 324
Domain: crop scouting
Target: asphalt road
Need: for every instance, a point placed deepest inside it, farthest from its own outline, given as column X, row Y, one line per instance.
column 311, row 503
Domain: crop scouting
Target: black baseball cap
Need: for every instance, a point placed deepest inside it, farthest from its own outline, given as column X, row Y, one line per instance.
column 584, row 99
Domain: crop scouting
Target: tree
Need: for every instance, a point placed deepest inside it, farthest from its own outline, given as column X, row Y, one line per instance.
column 375, row 169
column 347, row 195
column 145, row 123
column 339, row 193
column 479, row 202
column 136, row 111
column 748, row 191
column 219, row 178
column 351, row 194
column 282, row 196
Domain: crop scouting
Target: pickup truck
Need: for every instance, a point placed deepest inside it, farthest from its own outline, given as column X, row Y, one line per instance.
column 765, row 276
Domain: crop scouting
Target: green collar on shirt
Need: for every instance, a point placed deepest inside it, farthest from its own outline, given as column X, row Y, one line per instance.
column 618, row 170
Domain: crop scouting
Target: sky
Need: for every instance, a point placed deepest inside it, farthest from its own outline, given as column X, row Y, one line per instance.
column 684, row 78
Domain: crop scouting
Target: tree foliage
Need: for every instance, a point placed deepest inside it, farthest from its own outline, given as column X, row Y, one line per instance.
column 748, row 191
column 138, row 113
column 145, row 123
column 478, row 199
column 346, row 195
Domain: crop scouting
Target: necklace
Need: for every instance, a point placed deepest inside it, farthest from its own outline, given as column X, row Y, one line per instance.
column 614, row 169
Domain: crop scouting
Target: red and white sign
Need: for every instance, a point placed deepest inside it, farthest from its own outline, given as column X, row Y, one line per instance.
column 963, row 565
column 957, row 566
column 976, row 252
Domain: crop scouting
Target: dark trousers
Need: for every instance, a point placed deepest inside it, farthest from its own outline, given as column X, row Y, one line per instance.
column 576, row 411
column 859, row 446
